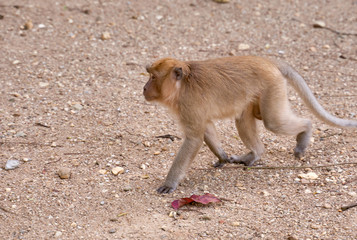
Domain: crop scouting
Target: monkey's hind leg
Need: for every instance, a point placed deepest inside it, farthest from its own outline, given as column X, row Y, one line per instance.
column 214, row 145
column 248, row 132
column 279, row 118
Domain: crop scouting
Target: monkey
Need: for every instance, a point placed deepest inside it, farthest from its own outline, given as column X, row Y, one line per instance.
column 246, row 88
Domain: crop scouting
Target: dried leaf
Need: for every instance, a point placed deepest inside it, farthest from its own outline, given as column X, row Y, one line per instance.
column 204, row 199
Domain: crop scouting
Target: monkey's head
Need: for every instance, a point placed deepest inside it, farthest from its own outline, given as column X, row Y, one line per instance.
column 166, row 76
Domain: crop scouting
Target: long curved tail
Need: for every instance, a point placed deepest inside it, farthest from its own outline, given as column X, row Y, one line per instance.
column 305, row 93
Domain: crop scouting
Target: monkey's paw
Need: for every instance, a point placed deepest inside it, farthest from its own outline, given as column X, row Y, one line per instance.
column 219, row 164
column 165, row 189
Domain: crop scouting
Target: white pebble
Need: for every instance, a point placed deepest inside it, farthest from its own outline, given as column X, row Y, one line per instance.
column 12, row 164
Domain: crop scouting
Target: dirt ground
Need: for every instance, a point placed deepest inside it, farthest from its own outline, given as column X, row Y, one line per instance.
column 71, row 77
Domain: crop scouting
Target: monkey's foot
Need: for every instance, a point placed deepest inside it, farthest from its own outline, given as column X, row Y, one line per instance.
column 219, row 164
column 299, row 153
column 248, row 159
column 165, row 189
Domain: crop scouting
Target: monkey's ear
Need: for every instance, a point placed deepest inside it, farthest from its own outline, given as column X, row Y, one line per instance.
column 178, row 73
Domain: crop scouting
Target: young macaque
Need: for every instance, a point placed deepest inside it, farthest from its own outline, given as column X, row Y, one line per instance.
column 247, row 88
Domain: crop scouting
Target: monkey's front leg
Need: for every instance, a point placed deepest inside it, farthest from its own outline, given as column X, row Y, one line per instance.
column 187, row 153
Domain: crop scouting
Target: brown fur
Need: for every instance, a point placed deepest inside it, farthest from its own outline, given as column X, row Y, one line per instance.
column 247, row 88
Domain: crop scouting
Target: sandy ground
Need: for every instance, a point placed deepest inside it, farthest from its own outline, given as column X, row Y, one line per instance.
column 71, row 77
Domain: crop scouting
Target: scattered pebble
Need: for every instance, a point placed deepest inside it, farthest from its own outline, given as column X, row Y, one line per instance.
column 319, row 24
column 103, row 171
column 58, row 234
column 143, row 166
column 243, row 46
column 314, row 226
column 235, row 224
column 127, row 188
column 77, row 106
column 43, row 84
column 265, row 193
column 112, row 231
column 64, row 173
column 20, row 134
column 352, row 194
column 16, row 62
column 105, row 36
column 41, row 25
column 12, row 164
column 327, row 206
column 308, row 176
column 117, row 170
column 28, row 25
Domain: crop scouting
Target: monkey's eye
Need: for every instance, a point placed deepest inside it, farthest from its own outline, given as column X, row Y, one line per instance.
column 153, row 77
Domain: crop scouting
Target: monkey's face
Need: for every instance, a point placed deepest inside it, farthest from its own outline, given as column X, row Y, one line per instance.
column 164, row 81
column 152, row 88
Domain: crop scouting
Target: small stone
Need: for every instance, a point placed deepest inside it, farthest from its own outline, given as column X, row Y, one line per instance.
column 103, row 171
column 308, row 191
column 308, row 176
column 64, row 173
column 352, row 194
column 58, row 234
column 28, row 25
column 43, row 84
column 147, row 144
column 235, row 224
column 73, row 224
column 12, row 164
column 313, row 49
column 105, row 36
column 319, row 24
column 77, row 106
column 16, row 62
column 75, row 162
column 8, row 189
column 112, row 231
column 327, row 206
column 117, row 170
column 20, row 134
column 173, row 214
column 243, row 46
column 145, row 176
column 41, row 25
column 265, row 193
column 54, row 144
column 314, row 226
column 127, row 188
column 27, row 159
column 143, row 166
column 15, row 94
column 157, row 153
column 102, row 203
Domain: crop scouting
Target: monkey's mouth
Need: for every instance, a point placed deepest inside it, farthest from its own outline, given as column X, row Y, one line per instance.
column 149, row 98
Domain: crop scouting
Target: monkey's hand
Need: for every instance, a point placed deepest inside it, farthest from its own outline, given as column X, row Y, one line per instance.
column 165, row 189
